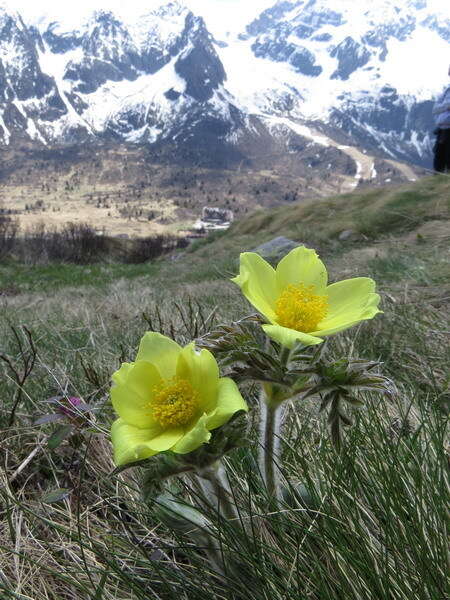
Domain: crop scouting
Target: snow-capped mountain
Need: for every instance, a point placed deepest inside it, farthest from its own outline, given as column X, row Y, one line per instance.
column 359, row 74
column 369, row 70
column 141, row 83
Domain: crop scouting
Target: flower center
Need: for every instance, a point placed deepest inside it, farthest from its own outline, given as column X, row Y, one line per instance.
column 299, row 308
column 174, row 403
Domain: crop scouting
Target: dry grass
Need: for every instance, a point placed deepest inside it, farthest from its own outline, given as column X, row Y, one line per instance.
column 375, row 525
column 102, row 536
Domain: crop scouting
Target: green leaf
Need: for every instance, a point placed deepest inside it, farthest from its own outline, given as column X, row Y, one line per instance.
column 344, row 418
column 297, row 494
column 101, row 586
column 55, row 495
column 179, row 515
column 354, row 401
column 58, row 436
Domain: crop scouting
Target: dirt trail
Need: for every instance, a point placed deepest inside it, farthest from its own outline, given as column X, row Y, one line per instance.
column 365, row 164
column 403, row 168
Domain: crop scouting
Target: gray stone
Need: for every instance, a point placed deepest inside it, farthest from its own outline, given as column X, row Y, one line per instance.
column 274, row 250
column 346, row 235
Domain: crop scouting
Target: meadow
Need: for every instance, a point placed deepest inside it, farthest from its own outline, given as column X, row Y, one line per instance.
column 369, row 522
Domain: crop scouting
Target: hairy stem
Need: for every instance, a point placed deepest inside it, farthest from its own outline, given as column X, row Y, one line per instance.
column 285, row 355
column 269, row 444
column 217, row 492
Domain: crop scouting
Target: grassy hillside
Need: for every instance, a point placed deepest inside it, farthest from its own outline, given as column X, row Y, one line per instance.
column 375, row 525
column 418, row 212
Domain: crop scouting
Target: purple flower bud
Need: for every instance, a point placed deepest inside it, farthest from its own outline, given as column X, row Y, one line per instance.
column 73, row 402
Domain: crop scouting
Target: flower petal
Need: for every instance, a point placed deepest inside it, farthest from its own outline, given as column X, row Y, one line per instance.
column 301, row 265
column 194, row 437
column 201, row 370
column 120, row 376
column 229, row 401
column 130, row 443
column 161, row 351
column 257, row 281
column 350, row 301
column 133, row 391
column 369, row 313
column 289, row 337
column 166, row 439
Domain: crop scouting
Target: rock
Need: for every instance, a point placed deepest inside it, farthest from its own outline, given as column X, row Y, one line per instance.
column 351, row 56
column 274, row 250
column 348, row 235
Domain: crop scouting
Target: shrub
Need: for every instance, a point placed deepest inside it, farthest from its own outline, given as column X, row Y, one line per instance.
column 78, row 243
column 74, row 243
column 149, row 248
column 9, row 229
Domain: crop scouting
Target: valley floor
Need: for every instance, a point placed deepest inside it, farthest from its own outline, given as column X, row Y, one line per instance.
column 124, row 191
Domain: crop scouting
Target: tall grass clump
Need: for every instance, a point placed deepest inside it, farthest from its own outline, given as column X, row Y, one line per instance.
column 367, row 523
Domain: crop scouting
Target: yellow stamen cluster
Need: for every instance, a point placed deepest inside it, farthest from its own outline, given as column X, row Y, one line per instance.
column 299, row 308
column 175, row 403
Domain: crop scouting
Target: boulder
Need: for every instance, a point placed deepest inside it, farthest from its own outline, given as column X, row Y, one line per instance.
column 348, row 235
column 274, row 250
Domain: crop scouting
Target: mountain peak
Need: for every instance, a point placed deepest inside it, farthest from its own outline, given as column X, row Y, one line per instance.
column 103, row 16
column 169, row 9
column 7, row 12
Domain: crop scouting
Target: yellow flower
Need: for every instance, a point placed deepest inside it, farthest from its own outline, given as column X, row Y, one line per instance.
column 297, row 301
column 170, row 398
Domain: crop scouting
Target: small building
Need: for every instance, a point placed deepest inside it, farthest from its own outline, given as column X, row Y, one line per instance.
column 214, row 219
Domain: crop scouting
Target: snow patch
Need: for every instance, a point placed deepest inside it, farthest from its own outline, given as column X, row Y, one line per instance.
column 416, row 67
column 301, row 130
column 6, row 132
column 147, row 91
column 55, row 65
column 33, row 132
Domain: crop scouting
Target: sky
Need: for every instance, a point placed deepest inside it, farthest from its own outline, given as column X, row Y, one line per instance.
column 220, row 15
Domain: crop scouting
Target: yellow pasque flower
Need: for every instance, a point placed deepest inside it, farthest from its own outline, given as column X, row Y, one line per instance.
column 170, row 398
column 297, row 301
